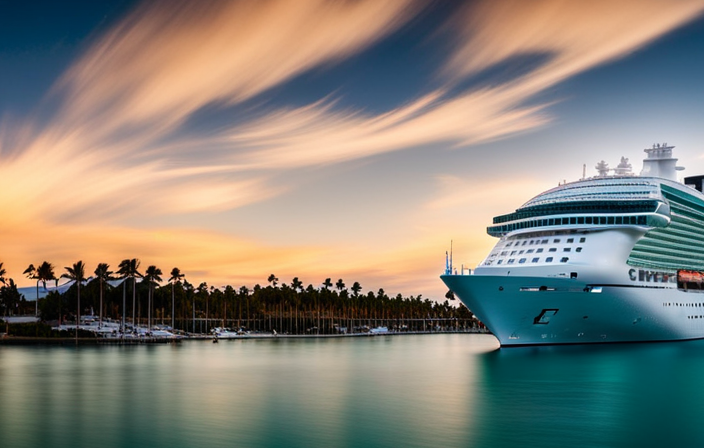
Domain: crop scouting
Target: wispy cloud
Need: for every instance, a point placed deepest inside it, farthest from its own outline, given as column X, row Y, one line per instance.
column 577, row 35
column 102, row 154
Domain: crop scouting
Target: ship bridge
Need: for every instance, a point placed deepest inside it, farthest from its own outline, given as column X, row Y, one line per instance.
column 599, row 201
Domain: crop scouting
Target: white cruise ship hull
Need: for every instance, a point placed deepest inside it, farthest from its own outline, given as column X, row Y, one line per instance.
column 569, row 311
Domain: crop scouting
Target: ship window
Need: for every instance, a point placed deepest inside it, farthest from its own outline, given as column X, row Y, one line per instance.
column 570, row 240
column 510, row 261
column 588, row 219
column 602, row 220
column 532, row 242
column 579, row 249
column 513, row 252
column 556, row 241
column 573, row 220
column 535, row 260
column 544, row 242
column 619, row 220
column 499, row 262
column 548, row 260
column 522, row 260
column 641, row 220
column 552, row 249
column 551, row 222
column 567, row 249
column 581, row 240
column 544, row 222
column 509, row 244
column 564, row 259
column 530, row 251
column 524, row 243
column 610, row 220
column 504, row 253
column 539, row 251
column 580, row 220
column 520, row 252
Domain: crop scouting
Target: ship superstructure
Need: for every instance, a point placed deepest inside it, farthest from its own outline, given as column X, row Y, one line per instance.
column 614, row 258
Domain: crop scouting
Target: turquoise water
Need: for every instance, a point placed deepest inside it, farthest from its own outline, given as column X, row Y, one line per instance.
column 416, row 390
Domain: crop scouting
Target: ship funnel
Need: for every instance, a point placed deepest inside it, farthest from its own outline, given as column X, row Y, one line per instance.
column 660, row 162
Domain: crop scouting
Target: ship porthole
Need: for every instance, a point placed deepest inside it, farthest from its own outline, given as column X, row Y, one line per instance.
column 501, row 288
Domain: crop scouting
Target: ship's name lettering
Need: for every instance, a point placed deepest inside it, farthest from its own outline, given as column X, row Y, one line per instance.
column 644, row 275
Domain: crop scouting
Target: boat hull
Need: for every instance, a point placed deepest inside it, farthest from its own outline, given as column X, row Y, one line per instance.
column 546, row 310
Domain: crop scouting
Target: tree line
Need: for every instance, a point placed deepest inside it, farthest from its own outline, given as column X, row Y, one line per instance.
column 284, row 307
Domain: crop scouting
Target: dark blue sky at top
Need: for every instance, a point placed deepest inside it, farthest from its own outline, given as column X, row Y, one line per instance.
column 39, row 40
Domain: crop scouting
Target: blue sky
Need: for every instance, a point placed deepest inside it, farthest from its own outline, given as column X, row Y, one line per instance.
column 322, row 139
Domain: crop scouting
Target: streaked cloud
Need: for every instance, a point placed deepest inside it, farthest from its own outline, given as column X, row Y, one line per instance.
column 576, row 35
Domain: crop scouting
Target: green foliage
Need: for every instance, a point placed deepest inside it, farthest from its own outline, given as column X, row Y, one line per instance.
column 286, row 307
column 52, row 305
column 10, row 298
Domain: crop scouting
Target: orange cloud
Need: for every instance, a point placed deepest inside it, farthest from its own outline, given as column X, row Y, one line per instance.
column 577, row 36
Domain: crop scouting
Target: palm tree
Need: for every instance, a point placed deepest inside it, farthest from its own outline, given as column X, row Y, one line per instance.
column 296, row 284
column 2, row 279
column 31, row 274
column 189, row 293
column 273, row 280
column 122, row 269
column 77, row 273
column 176, row 276
column 327, row 284
column 340, row 285
column 202, row 291
column 103, row 274
column 151, row 275
column 44, row 273
column 356, row 287
column 128, row 268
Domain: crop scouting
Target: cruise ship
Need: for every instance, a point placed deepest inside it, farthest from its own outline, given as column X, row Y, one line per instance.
column 617, row 257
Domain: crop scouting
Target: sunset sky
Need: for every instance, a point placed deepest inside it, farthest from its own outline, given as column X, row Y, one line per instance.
column 311, row 138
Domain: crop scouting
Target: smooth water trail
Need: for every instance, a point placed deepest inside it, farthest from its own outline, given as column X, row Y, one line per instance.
column 411, row 390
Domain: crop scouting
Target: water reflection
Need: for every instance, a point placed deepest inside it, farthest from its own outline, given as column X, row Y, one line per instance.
column 595, row 396
column 440, row 390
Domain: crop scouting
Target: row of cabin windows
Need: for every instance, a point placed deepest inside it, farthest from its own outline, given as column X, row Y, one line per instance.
column 595, row 220
column 695, row 305
column 534, row 260
column 537, row 251
column 543, row 241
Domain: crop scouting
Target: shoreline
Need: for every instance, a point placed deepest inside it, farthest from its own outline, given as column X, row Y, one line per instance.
column 30, row 340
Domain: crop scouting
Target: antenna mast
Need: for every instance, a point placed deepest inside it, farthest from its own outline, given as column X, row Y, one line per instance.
column 451, row 257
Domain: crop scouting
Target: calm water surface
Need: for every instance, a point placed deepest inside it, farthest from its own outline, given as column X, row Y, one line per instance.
column 424, row 390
